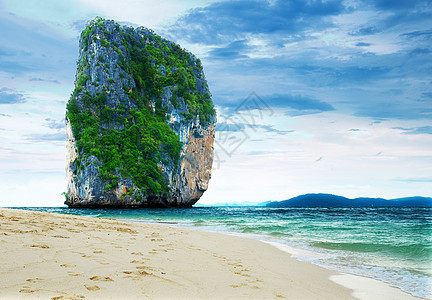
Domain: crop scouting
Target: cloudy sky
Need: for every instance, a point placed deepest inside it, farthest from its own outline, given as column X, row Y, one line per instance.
column 312, row 95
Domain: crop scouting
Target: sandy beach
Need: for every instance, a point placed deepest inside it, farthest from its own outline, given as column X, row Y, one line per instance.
column 54, row 256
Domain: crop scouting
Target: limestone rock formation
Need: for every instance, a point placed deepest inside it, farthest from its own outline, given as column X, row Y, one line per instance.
column 140, row 122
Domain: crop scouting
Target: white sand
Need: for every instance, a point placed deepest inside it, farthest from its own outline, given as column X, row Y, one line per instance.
column 368, row 288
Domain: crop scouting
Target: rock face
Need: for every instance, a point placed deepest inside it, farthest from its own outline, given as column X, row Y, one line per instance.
column 140, row 122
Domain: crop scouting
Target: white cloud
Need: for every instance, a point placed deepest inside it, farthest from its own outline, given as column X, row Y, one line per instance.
column 58, row 14
column 33, row 190
column 148, row 13
column 322, row 154
column 64, row 14
column 276, row 168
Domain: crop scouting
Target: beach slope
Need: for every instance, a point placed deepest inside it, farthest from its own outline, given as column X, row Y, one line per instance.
column 54, row 256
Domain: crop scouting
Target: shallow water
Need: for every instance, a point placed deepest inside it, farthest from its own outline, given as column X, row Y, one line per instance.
column 390, row 244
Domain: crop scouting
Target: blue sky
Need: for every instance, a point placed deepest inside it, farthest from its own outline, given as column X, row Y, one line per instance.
column 312, row 96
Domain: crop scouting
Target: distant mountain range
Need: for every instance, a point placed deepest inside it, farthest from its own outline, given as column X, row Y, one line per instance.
column 233, row 204
column 329, row 200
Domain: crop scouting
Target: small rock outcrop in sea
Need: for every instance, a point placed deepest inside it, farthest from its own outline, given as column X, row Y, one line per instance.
column 140, row 122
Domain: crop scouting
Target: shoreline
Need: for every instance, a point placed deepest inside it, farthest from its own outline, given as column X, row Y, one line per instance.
column 362, row 286
column 53, row 255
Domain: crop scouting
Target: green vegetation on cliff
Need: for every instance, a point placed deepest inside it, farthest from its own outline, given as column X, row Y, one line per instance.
column 149, row 79
column 131, row 138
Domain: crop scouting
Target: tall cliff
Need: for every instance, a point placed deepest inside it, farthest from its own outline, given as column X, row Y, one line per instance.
column 140, row 122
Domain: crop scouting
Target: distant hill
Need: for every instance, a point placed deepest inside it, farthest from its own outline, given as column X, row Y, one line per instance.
column 329, row 200
column 232, row 204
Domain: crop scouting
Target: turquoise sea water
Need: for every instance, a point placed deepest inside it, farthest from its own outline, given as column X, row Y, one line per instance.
column 390, row 244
